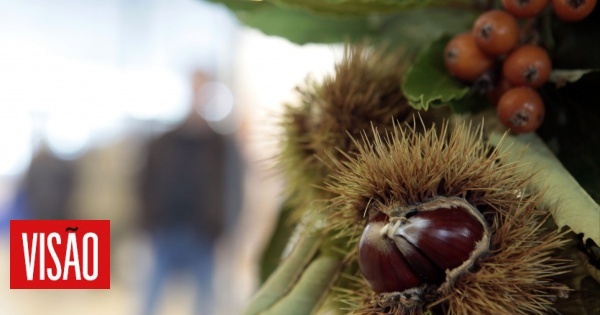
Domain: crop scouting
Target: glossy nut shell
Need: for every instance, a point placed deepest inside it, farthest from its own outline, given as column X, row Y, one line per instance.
column 422, row 245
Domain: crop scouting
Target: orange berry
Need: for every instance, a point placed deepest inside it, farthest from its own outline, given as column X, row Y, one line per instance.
column 525, row 8
column 528, row 65
column 521, row 109
column 496, row 32
column 464, row 59
column 573, row 10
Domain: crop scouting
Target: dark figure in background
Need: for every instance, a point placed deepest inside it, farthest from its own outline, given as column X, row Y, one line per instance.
column 190, row 178
column 48, row 186
column 45, row 190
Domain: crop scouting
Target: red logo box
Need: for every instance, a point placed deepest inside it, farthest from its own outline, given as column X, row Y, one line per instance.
column 60, row 254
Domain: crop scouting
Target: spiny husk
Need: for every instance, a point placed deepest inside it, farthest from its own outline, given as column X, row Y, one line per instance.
column 408, row 167
column 517, row 278
column 363, row 91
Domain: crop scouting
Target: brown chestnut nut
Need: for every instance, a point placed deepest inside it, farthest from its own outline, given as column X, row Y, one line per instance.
column 422, row 245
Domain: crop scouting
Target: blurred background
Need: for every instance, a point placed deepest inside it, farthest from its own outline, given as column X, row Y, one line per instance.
column 117, row 109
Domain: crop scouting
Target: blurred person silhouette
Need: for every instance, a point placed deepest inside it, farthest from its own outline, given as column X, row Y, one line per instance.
column 191, row 192
column 48, row 186
column 44, row 192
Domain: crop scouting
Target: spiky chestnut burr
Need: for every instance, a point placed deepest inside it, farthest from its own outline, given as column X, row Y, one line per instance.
column 409, row 167
column 422, row 245
column 364, row 91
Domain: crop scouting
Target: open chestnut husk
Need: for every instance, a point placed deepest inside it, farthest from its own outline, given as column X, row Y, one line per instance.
column 426, row 245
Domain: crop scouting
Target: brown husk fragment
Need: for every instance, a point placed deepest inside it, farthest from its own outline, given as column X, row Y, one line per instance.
column 407, row 167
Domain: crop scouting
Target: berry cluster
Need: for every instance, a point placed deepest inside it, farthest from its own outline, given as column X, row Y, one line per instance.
column 566, row 10
column 494, row 39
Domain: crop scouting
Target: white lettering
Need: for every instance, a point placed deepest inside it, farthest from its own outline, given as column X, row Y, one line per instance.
column 58, row 271
column 42, row 255
column 56, row 276
column 86, row 274
column 72, row 258
column 29, row 256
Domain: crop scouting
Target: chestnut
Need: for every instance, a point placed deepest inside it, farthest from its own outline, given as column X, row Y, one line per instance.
column 422, row 245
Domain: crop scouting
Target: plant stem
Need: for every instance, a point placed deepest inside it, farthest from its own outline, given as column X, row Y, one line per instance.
column 284, row 278
column 311, row 290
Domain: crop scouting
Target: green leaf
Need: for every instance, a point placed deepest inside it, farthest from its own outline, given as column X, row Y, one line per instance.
column 427, row 83
column 355, row 7
column 241, row 5
column 570, row 124
column 410, row 29
column 414, row 29
column 302, row 27
column 349, row 7
column 569, row 204
column 561, row 77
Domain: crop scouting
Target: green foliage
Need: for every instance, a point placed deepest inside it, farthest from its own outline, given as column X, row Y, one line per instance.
column 427, row 83
column 299, row 26
column 572, row 111
column 272, row 254
column 571, row 126
column 410, row 29
column 352, row 7
column 299, row 284
column 309, row 293
column 563, row 77
column 414, row 29
column 347, row 7
column 303, row 27
column 562, row 193
column 284, row 279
